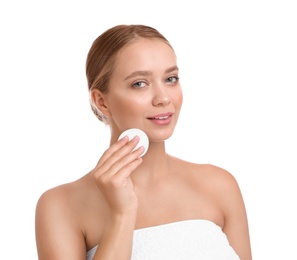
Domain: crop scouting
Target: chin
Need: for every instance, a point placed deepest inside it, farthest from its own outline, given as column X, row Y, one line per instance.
column 160, row 135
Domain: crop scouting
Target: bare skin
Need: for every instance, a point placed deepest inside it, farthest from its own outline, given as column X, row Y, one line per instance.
column 124, row 192
column 204, row 192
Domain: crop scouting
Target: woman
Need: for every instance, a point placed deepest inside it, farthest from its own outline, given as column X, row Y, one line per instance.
column 150, row 207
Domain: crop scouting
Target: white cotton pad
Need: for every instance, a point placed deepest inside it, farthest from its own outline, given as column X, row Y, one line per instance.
column 144, row 141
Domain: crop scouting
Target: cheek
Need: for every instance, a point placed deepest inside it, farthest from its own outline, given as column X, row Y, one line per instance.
column 178, row 99
column 127, row 107
column 121, row 108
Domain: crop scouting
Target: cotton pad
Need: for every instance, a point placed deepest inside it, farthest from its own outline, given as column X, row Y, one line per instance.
column 143, row 139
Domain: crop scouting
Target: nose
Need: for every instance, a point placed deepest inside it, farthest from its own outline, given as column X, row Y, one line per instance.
column 161, row 96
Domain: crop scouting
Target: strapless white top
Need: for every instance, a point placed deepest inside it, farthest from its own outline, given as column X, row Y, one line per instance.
column 183, row 240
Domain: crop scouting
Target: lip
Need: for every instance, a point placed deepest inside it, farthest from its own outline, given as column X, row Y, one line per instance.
column 162, row 119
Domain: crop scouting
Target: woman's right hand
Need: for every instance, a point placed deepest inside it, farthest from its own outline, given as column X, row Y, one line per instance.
column 112, row 175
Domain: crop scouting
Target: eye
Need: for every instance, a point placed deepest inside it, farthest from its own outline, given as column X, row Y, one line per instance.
column 139, row 84
column 172, row 79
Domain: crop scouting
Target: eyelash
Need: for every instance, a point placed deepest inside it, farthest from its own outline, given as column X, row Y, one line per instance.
column 175, row 77
column 136, row 84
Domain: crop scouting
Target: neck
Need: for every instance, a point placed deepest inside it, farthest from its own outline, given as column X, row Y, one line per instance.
column 155, row 164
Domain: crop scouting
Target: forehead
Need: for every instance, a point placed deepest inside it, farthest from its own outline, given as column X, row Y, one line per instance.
column 145, row 54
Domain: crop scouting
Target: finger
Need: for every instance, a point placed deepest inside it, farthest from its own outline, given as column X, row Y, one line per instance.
column 125, row 162
column 121, row 176
column 119, row 173
column 120, row 153
column 112, row 149
column 115, row 156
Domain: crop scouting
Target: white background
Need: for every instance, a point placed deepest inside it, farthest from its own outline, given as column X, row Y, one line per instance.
column 238, row 64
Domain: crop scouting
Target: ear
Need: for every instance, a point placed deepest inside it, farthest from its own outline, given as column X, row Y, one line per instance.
column 99, row 100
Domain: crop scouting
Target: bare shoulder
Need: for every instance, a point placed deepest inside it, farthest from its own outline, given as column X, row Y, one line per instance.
column 215, row 177
column 213, row 181
column 223, row 201
column 56, row 223
column 222, row 188
column 70, row 202
column 208, row 175
column 58, row 198
column 221, row 183
column 63, row 203
column 61, row 216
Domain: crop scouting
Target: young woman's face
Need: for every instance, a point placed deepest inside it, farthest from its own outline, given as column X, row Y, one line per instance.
column 144, row 90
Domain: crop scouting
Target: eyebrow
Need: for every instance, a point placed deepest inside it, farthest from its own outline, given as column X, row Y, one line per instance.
column 148, row 73
column 173, row 68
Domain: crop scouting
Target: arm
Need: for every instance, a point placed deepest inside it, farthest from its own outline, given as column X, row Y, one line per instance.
column 236, row 222
column 116, row 242
column 112, row 176
column 58, row 235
